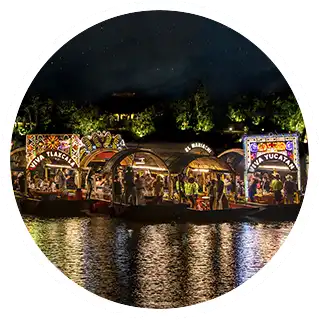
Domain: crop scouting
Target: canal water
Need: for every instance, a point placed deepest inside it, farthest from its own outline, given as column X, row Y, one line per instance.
column 156, row 266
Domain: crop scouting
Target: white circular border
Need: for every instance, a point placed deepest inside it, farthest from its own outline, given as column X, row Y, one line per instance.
column 251, row 284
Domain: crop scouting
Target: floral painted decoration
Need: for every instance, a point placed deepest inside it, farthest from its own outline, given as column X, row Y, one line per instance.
column 289, row 146
column 253, row 147
column 262, row 147
column 280, row 146
column 52, row 142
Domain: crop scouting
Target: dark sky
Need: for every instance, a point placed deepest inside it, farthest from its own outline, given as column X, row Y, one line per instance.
column 158, row 54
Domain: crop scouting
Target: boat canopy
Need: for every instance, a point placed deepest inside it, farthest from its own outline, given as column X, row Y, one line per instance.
column 179, row 162
column 234, row 158
column 149, row 158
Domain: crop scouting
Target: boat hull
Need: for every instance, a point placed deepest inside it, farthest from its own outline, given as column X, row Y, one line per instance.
column 277, row 213
column 179, row 213
column 53, row 208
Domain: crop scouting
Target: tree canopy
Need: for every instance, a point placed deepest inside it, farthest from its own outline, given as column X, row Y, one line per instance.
column 143, row 123
column 192, row 115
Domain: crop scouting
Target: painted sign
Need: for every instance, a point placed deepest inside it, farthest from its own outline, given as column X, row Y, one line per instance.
column 272, row 156
column 52, row 155
column 198, row 145
column 283, row 148
column 103, row 140
column 38, row 144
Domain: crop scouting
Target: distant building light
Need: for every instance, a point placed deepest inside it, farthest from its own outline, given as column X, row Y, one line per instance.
column 230, row 129
column 262, row 129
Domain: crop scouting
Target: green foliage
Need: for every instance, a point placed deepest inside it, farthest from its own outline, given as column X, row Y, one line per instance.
column 87, row 120
column 248, row 111
column 194, row 113
column 235, row 114
column 287, row 115
column 283, row 113
column 64, row 113
column 143, row 124
column 33, row 116
column 203, row 110
column 182, row 112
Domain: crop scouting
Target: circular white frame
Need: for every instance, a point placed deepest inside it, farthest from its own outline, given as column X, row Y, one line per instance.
column 262, row 275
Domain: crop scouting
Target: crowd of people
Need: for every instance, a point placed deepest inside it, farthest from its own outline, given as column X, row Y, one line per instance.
column 189, row 189
column 61, row 180
column 283, row 188
column 128, row 187
column 134, row 188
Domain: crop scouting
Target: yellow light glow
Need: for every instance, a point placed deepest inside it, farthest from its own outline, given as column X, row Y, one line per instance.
column 200, row 170
column 149, row 168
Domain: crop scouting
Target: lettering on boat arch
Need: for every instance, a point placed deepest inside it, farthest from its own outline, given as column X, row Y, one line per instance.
column 54, row 154
column 272, row 156
column 198, row 145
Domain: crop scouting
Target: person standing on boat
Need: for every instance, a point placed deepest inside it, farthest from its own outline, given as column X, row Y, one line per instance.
column 277, row 185
column 220, row 189
column 90, row 184
column 289, row 189
column 253, row 189
column 180, row 188
column 129, row 187
column 148, row 184
column 22, row 183
column 212, row 194
column 265, row 183
column 158, row 189
column 140, row 188
column 117, row 187
column 192, row 191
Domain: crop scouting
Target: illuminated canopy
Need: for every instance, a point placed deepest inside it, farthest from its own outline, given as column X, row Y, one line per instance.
column 234, row 158
column 178, row 163
column 116, row 160
column 18, row 159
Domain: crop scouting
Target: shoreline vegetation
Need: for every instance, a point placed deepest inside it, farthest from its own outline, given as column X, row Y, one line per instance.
column 196, row 115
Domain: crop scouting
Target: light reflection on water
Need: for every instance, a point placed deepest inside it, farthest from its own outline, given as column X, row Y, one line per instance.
column 156, row 266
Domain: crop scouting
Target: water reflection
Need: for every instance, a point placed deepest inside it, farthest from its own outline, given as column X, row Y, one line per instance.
column 156, row 266
column 224, row 259
column 201, row 282
column 159, row 267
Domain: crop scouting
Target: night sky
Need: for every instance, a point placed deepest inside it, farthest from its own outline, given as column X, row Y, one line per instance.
column 157, row 54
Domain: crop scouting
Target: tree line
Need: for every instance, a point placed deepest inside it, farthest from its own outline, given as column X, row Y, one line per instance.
column 195, row 114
